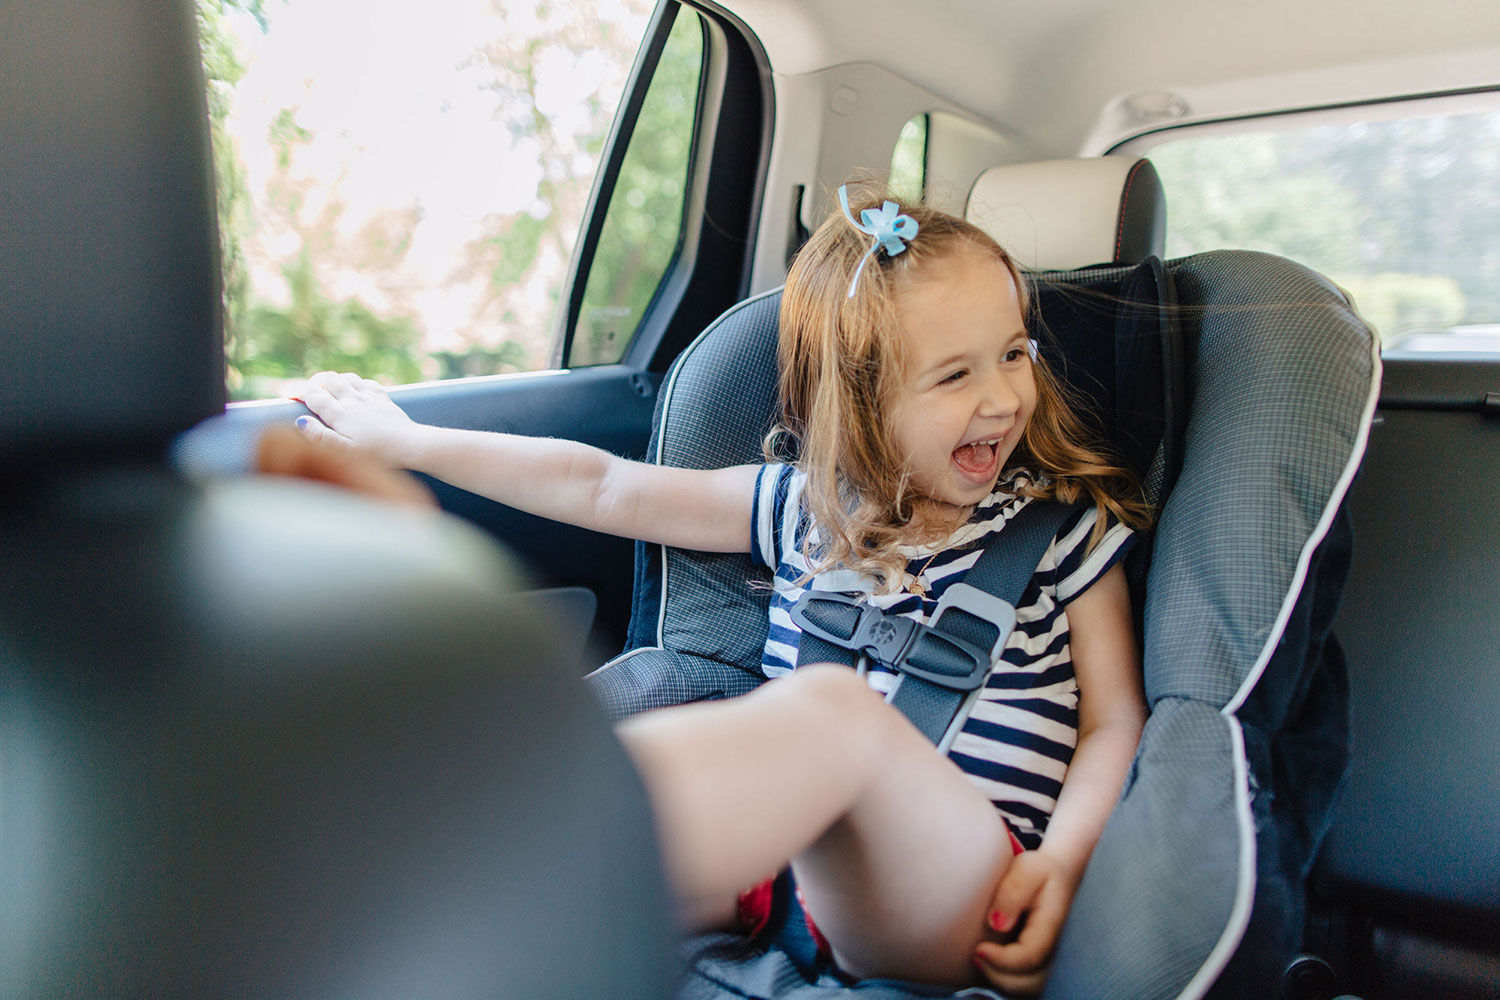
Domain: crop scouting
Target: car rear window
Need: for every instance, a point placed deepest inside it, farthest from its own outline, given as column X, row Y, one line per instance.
column 1403, row 211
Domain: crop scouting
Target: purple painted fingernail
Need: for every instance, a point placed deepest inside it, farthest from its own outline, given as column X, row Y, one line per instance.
column 302, row 422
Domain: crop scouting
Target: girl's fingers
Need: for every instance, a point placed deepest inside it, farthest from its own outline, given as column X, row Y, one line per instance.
column 1010, row 982
column 315, row 398
column 1017, row 890
column 1033, row 949
column 338, row 384
column 320, row 433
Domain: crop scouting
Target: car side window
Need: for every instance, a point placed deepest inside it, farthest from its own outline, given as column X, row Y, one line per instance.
column 401, row 196
column 1401, row 209
column 644, row 224
column 909, row 160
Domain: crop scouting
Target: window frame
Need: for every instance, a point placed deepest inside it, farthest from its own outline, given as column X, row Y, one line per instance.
column 722, row 192
column 606, row 178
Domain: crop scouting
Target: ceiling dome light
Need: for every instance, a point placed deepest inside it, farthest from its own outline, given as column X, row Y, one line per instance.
column 1154, row 106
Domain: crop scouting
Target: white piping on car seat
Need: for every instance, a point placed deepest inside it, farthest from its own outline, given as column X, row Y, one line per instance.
column 661, row 439
column 619, row 659
column 1304, row 559
column 1244, row 883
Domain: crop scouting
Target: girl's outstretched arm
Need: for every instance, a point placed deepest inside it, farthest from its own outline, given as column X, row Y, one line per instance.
column 708, row 510
column 1039, row 885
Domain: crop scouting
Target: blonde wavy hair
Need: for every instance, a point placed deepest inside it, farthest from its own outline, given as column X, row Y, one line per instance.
column 841, row 365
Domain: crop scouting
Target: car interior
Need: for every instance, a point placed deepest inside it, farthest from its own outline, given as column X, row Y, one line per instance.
column 217, row 779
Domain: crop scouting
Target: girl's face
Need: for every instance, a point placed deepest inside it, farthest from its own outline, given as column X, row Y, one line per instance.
column 968, row 389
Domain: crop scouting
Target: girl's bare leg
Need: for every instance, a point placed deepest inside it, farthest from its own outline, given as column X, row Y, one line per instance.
column 896, row 852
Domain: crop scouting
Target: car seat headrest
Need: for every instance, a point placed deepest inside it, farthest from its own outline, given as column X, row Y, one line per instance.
column 1058, row 215
column 109, row 289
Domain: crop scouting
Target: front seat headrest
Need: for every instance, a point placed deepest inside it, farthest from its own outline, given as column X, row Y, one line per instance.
column 109, row 287
column 1058, row 215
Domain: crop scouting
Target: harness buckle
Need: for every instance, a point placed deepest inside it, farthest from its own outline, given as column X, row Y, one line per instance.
column 982, row 605
column 887, row 638
column 892, row 640
column 988, row 608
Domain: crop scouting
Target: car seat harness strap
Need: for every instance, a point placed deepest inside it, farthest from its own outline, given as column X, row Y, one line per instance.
column 942, row 664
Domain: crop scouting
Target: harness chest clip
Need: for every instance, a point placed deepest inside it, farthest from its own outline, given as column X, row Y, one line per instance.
column 886, row 638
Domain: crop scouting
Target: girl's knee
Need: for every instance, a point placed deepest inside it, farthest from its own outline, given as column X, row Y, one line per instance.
column 839, row 688
column 839, row 698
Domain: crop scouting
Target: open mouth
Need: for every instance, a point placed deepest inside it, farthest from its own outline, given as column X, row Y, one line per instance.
column 978, row 460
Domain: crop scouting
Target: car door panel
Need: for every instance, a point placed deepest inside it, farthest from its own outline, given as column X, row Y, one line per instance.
column 609, row 407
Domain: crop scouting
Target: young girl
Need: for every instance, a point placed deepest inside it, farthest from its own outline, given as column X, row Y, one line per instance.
column 924, row 420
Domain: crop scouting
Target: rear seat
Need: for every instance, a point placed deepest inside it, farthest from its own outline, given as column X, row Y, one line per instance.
column 1408, row 883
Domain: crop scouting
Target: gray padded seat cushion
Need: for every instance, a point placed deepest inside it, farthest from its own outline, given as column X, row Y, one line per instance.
column 714, row 410
column 1283, row 389
column 1282, row 393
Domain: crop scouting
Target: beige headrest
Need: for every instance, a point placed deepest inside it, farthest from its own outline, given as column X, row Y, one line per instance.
column 1065, row 214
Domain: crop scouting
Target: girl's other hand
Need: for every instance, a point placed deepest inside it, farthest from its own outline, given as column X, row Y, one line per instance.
column 354, row 413
column 1031, row 903
column 284, row 452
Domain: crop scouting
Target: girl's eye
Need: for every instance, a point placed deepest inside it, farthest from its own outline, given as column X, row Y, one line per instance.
column 952, row 377
column 1015, row 354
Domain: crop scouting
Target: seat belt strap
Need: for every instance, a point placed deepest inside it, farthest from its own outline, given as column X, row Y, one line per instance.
column 940, row 666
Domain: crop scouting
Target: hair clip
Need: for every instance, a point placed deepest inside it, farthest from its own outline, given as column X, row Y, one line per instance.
column 892, row 230
column 1031, row 349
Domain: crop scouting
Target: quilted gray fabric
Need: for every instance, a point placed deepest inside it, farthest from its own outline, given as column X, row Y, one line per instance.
column 716, row 407
column 651, row 677
column 1161, row 885
column 1281, row 391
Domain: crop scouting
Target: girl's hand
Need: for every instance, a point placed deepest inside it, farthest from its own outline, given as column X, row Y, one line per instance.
column 1033, row 895
column 355, row 413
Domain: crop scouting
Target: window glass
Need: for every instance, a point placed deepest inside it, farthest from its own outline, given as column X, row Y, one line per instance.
column 909, row 161
column 643, row 226
column 1404, row 213
column 400, row 189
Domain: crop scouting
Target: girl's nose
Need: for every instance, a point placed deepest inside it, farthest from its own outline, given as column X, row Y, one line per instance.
column 1000, row 398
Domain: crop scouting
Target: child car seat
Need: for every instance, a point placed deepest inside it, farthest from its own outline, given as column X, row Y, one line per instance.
column 1267, row 382
column 220, row 776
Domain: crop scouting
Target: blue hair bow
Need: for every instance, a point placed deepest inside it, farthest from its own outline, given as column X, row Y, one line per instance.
column 892, row 230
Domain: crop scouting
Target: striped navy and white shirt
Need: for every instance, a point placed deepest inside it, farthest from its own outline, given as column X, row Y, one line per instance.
column 1021, row 732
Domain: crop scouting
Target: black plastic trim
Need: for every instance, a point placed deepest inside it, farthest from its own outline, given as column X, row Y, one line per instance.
column 724, row 258
column 707, row 277
column 1450, row 382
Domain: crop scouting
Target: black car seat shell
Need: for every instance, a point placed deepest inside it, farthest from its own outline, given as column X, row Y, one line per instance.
column 258, row 738
column 1247, row 742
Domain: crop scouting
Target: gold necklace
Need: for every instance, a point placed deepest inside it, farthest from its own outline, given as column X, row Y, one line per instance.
column 916, row 586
